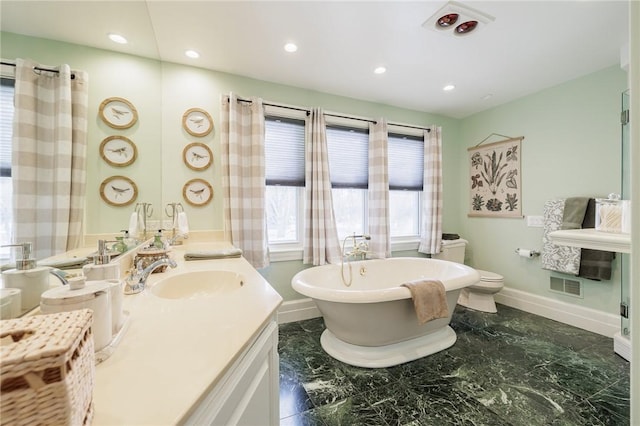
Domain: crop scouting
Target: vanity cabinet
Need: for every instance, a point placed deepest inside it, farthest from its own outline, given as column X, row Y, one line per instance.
column 248, row 393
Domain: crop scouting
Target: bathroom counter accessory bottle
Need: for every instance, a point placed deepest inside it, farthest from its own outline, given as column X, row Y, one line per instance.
column 101, row 269
column 80, row 294
column 33, row 280
column 120, row 246
column 148, row 256
column 613, row 214
column 157, row 240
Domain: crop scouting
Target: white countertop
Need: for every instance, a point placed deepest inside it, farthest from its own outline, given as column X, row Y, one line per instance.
column 175, row 350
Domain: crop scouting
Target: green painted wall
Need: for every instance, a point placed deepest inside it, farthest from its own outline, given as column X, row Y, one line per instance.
column 572, row 147
column 162, row 92
column 110, row 74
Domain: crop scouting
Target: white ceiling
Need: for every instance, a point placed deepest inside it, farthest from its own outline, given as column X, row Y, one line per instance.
column 530, row 46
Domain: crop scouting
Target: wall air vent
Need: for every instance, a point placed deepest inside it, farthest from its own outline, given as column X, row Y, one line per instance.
column 565, row 286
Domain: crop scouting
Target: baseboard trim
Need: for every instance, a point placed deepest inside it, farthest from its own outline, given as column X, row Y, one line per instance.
column 622, row 346
column 578, row 316
column 297, row 310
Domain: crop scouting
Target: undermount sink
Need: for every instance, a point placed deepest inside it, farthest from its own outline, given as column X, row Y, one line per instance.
column 197, row 284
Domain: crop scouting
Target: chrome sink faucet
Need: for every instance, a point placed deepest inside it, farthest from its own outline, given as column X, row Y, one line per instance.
column 137, row 279
column 59, row 275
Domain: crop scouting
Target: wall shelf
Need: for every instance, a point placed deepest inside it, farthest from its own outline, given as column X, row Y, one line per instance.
column 592, row 239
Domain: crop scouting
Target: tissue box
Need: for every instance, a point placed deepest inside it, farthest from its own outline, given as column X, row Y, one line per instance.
column 47, row 369
column 613, row 215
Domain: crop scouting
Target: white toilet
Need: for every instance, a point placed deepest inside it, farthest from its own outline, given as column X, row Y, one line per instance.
column 478, row 296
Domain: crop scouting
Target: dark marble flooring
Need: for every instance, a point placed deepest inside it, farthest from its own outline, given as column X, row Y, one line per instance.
column 509, row 368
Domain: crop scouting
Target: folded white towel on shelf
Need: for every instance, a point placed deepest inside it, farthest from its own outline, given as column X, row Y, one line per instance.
column 133, row 224
column 183, row 224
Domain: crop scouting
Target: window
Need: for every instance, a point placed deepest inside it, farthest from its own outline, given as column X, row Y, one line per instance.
column 6, row 191
column 284, row 172
column 348, row 148
column 349, row 169
column 406, row 176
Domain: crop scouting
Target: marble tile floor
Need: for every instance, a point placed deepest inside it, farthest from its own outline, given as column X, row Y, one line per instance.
column 509, row 368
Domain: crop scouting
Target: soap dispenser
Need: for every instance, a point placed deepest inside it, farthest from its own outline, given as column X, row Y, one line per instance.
column 101, row 269
column 130, row 242
column 157, row 240
column 120, row 246
column 33, row 280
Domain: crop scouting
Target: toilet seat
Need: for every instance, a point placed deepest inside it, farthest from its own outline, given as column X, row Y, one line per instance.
column 479, row 296
column 487, row 276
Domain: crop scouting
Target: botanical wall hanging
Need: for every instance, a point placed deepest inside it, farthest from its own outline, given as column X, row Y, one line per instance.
column 494, row 179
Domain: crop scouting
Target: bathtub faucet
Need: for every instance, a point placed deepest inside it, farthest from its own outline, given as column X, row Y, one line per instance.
column 359, row 249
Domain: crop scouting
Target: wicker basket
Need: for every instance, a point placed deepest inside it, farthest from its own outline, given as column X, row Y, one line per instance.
column 47, row 369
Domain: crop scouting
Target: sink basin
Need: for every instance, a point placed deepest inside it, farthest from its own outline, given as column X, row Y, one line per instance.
column 197, row 284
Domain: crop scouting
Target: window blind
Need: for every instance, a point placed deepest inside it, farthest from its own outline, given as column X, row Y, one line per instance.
column 406, row 162
column 348, row 157
column 6, row 124
column 284, row 151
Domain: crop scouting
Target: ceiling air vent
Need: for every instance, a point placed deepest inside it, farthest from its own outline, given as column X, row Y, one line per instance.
column 565, row 286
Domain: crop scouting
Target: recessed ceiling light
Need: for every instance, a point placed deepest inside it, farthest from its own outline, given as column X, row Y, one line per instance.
column 448, row 87
column 380, row 70
column 290, row 47
column 117, row 38
column 192, row 54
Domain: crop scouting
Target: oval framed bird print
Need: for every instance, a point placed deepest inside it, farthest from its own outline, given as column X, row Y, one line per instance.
column 118, row 113
column 118, row 151
column 197, row 192
column 197, row 122
column 118, row 191
column 197, row 156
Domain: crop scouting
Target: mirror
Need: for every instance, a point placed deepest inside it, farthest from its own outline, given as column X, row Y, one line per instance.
column 123, row 77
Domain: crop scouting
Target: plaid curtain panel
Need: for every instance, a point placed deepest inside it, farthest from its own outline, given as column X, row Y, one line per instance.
column 48, row 163
column 431, row 232
column 379, row 227
column 243, row 177
column 321, row 243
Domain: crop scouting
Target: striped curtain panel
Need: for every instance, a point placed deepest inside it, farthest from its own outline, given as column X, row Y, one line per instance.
column 48, row 162
column 321, row 243
column 431, row 232
column 243, row 177
column 379, row 227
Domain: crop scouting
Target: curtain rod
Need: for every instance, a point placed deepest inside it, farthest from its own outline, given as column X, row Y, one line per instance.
column 308, row 111
column 248, row 101
column 38, row 69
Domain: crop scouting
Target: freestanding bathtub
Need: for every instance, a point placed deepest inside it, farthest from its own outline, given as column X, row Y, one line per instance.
column 372, row 322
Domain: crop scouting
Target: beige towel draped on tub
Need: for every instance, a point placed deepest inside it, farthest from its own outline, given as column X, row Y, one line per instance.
column 429, row 299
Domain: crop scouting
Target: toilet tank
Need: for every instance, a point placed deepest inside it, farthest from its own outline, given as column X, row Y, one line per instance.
column 452, row 250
